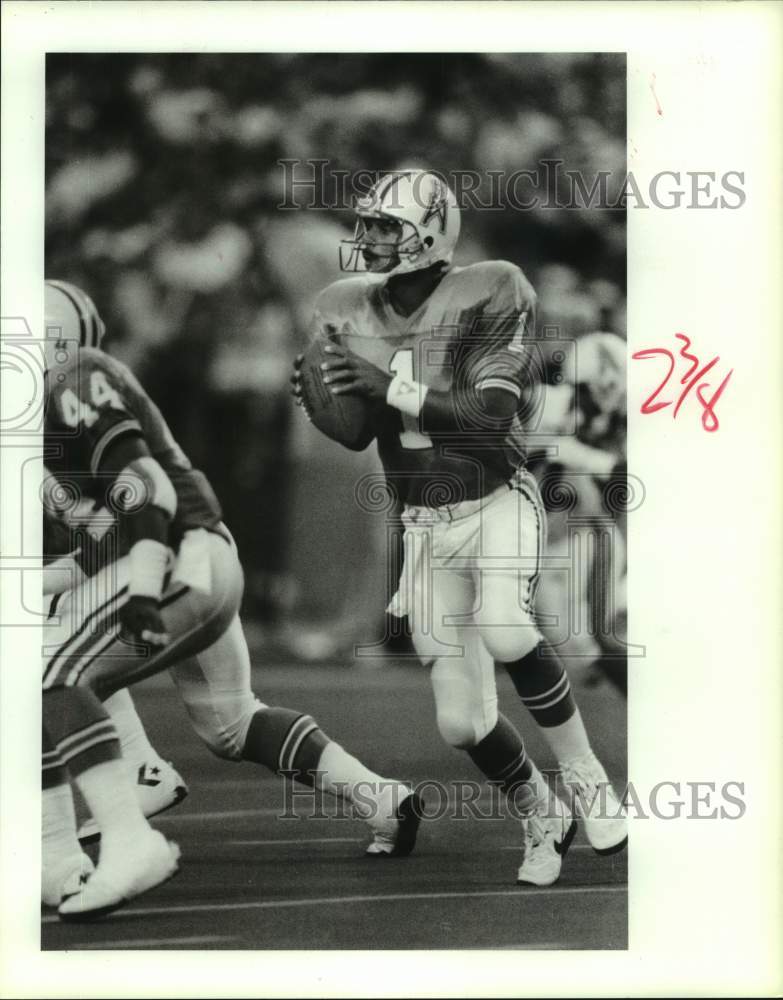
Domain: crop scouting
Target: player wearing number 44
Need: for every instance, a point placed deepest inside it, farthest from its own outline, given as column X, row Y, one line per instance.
column 440, row 354
column 163, row 594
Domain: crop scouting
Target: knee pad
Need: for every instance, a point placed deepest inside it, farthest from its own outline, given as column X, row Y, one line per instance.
column 225, row 737
column 467, row 728
column 457, row 729
column 507, row 643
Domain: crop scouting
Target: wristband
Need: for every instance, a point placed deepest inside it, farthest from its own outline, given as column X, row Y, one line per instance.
column 406, row 395
column 148, row 562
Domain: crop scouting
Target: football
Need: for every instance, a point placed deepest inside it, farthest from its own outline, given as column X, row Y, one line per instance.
column 346, row 419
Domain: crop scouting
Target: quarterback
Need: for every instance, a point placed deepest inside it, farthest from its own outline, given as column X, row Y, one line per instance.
column 165, row 595
column 441, row 355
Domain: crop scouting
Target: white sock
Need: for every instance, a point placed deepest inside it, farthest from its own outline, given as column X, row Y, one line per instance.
column 61, row 852
column 535, row 794
column 569, row 740
column 134, row 744
column 112, row 800
column 374, row 798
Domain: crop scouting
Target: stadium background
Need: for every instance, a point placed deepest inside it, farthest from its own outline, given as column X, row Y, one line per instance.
column 162, row 186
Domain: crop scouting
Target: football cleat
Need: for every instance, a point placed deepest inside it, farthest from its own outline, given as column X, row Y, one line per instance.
column 158, row 788
column 59, row 883
column 396, row 838
column 153, row 861
column 548, row 835
column 595, row 801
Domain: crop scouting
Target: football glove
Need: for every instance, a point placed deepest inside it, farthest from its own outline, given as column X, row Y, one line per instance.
column 140, row 621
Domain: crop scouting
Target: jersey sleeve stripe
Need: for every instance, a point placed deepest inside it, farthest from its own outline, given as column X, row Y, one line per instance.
column 500, row 383
column 111, row 435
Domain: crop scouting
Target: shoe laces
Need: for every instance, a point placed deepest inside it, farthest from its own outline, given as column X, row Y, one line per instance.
column 584, row 771
column 591, row 779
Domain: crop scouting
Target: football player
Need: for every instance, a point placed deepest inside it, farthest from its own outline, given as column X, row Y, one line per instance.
column 158, row 785
column 166, row 596
column 442, row 355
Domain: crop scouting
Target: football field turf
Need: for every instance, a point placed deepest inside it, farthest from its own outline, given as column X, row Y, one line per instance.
column 252, row 880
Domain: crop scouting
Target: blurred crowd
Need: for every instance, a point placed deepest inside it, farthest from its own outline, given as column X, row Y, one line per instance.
column 163, row 184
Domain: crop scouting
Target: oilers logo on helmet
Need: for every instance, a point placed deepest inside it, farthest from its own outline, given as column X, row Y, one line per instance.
column 427, row 220
column 436, row 207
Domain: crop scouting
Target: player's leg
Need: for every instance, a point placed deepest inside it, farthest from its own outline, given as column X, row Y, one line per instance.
column 513, row 533
column 82, row 738
column 64, row 865
column 216, row 689
column 133, row 857
column 468, row 719
column 158, row 785
column 194, row 616
column 463, row 683
column 86, row 658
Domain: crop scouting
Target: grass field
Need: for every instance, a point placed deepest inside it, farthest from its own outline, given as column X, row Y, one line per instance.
column 251, row 880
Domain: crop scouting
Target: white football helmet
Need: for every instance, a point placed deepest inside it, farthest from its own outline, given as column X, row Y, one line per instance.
column 70, row 315
column 599, row 361
column 427, row 214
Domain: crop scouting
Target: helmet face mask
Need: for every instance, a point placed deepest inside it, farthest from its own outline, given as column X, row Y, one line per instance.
column 425, row 212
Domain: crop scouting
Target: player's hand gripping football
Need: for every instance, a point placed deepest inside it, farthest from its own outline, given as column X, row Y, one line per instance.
column 348, row 373
column 140, row 621
column 296, row 379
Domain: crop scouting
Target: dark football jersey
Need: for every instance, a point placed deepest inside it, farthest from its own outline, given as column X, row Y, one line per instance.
column 91, row 401
column 473, row 332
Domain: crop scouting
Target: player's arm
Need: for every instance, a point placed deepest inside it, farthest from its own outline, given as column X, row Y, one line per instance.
column 63, row 573
column 96, row 402
column 145, row 501
column 478, row 407
column 486, row 393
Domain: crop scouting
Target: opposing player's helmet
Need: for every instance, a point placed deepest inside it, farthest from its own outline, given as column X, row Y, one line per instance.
column 428, row 217
column 599, row 361
column 70, row 314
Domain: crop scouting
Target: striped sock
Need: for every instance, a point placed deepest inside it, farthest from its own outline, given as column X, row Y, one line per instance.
column 543, row 686
column 53, row 772
column 285, row 741
column 291, row 744
column 78, row 728
column 501, row 756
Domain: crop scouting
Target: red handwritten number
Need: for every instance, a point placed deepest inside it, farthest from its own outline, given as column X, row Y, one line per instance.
column 694, row 374
column 688, row 357
column 649, row 406
column 709, row 404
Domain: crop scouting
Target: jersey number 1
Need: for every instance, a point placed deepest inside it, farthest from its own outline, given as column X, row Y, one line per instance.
column 411, row 437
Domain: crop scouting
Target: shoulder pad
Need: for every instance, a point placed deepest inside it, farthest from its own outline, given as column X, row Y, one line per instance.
column 345, row 293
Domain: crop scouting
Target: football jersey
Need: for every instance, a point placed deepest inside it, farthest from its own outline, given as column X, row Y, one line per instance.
column 473, row 332
column 91, row 401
